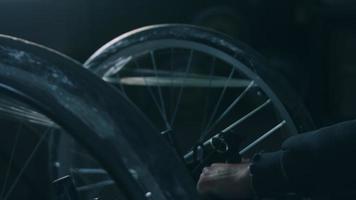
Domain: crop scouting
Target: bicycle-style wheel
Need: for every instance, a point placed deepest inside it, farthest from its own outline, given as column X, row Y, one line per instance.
column 202, row 90
column 44, row 95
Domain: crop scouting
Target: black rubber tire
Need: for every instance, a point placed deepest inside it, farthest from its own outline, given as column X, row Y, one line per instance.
column 97, row 116
column 180, row 32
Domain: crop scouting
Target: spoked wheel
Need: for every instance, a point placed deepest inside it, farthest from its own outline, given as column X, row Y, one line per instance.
column 211, row 97
column 48, row 101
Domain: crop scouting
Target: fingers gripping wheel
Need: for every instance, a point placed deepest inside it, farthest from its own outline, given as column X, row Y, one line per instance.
column 211, row 97
column 44, row 95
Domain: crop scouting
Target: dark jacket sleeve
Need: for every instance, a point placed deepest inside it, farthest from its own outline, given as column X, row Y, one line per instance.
column 322, row 161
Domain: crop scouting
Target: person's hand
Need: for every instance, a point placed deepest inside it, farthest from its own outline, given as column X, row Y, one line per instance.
column 228, row 181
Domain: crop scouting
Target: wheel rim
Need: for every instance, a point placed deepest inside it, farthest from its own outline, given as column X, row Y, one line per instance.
column 62, row 90
column 126, row 67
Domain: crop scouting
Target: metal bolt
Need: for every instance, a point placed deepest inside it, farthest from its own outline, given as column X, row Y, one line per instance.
column 148, row 194
column 57, row 164
column 133, row 173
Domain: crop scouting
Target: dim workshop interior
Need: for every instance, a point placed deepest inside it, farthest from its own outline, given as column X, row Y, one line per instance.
column 177, row 99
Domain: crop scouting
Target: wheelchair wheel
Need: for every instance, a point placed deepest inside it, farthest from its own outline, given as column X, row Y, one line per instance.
column 202, row 90
column 45, row 96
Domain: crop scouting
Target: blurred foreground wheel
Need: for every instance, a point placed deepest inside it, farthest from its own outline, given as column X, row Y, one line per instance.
column 45, row 96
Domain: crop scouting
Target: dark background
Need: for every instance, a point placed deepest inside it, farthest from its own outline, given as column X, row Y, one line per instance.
column 312, row 43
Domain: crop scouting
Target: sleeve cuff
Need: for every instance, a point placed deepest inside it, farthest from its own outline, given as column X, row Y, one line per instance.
column 268, row 174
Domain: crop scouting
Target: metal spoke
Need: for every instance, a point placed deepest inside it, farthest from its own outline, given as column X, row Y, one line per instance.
column 158, row 106
column 21, row 113
column 171, row 64
column 247, row 148
column 171, row 93
column 100, row 184
column 238, row 121
column 207, row 101
column 163, row 107
column 230, row 107
column 88, row 171
column 262, row 138
column 169, row 133
column 26, row 164
column 189, row 64
column 246, row 116
column 192, row 81
column 139, row 72
column 11, row 160
column 222, row 94
column 155, row 102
